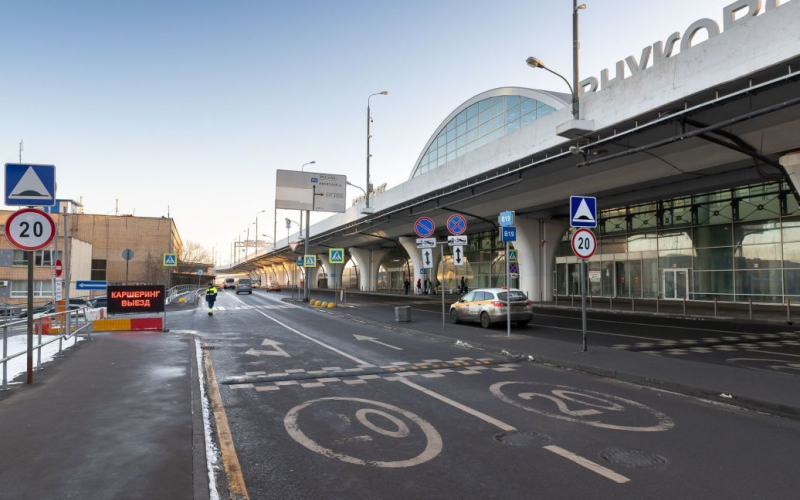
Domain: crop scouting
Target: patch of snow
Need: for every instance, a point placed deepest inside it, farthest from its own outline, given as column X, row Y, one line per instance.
column 461, row 343
column 212, row 453
column 18, row 344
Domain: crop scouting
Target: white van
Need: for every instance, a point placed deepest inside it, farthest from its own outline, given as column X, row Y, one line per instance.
column 229, row 283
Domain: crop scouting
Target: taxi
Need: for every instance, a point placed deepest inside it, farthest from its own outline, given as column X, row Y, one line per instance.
column 488, row 306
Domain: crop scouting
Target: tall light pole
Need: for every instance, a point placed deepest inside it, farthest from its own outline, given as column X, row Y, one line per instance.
column 369, row 136
column 573, row 89
column 261, row 212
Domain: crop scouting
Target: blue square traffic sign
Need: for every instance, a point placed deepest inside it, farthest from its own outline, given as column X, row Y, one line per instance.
column 509, row 233
column 506, row 218
column 30, row 185
column 582, row 211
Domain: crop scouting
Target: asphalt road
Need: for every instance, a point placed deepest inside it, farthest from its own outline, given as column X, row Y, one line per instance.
column 757, row 346
column 320, row 406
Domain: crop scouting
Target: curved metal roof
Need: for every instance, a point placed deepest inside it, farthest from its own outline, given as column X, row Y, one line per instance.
column 555, row 99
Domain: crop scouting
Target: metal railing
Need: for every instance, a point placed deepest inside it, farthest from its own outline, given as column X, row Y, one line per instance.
column 66, row 330
column 179, row 290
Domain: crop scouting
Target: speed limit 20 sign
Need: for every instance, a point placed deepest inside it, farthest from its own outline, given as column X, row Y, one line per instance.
column 584, row 243
column 30, row 229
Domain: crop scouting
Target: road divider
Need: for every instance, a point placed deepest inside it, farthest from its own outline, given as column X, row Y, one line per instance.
column 128, row 324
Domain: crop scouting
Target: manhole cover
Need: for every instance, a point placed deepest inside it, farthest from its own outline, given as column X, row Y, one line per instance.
column 522, row 438
column 634, row 458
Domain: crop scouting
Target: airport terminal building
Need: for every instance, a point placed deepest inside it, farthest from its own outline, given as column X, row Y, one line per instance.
column 691, row 147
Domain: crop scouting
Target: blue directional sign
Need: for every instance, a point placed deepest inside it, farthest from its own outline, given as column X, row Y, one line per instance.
column 30, row 185
column 91, row 285
column 424, row 227
column 299, row 262
column 582, row 211
column 506, row 218
column 509, row 233
column 457, row 224
column 336, row 255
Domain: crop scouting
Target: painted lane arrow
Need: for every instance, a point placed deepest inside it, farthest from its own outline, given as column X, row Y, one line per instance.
column 277, row 351
column 373, row 339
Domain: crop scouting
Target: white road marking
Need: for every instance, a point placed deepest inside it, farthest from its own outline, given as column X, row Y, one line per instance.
column 276, row 351
column 595, row 331
column 455, row 404
column 376, row 341
column 312, row 339
column 664, row 422
column 651, row 325
column 433, row 444
column 585, row 462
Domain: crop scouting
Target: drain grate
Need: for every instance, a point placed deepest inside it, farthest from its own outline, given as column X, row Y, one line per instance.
column 634, row 458
column 522, row 438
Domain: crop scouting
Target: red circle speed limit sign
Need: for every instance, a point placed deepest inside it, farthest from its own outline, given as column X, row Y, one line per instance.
column 30, row 229
column 584, row 243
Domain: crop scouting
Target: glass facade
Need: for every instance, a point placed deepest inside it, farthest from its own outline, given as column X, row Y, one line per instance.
column 731, row 245
column 480, row 124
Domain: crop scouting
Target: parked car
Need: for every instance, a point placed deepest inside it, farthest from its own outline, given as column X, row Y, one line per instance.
column 488, row 306
column 244, row 285
column 9, row 310
column 99, row 302
column 229, row 283
column 74, row 303
column 274, row 287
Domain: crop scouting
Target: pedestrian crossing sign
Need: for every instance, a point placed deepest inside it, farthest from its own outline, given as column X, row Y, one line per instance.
column 309, row 261
column 170, row 260
column 512, row 257
column 336, row 255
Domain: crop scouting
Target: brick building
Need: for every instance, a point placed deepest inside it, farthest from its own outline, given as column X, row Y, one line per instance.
column 96, row 244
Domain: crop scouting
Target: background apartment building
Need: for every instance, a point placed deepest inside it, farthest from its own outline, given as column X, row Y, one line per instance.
column 96, row 244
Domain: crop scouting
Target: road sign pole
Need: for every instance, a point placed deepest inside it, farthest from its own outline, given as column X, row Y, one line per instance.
column 67, row 262
column 30, row 317
column 583, row 302
column 441, row 283
column 335, row 275
column 307, row 287
column 508, row 295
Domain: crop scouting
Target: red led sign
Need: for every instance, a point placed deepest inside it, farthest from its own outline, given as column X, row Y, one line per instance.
column 135, row 299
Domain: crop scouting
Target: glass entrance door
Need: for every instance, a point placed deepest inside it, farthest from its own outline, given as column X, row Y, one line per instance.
column 675, row 284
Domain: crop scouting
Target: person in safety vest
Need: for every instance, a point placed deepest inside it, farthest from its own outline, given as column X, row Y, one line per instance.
column 211, row 297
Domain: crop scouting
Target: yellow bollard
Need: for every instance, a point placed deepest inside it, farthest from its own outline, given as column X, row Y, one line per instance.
column 323, row 304
column 181, row 300
column 331, row 305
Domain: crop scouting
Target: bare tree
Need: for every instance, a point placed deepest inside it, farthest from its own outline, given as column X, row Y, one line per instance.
column 193, row 253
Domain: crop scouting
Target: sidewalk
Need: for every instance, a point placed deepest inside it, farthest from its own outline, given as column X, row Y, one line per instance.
column 116, row 418
column 762, row 391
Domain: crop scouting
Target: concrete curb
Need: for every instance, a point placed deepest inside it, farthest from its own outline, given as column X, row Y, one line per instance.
column 199, row 459
column 730, row 398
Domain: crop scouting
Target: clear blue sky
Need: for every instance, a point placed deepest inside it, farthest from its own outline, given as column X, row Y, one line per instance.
column 195, row 104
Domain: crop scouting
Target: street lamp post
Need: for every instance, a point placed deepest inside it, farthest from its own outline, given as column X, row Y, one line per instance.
column 573, row 89
column 369, row 136
column 261, row 212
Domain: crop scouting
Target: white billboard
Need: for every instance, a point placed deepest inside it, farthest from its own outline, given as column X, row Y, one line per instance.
column 296, row 191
